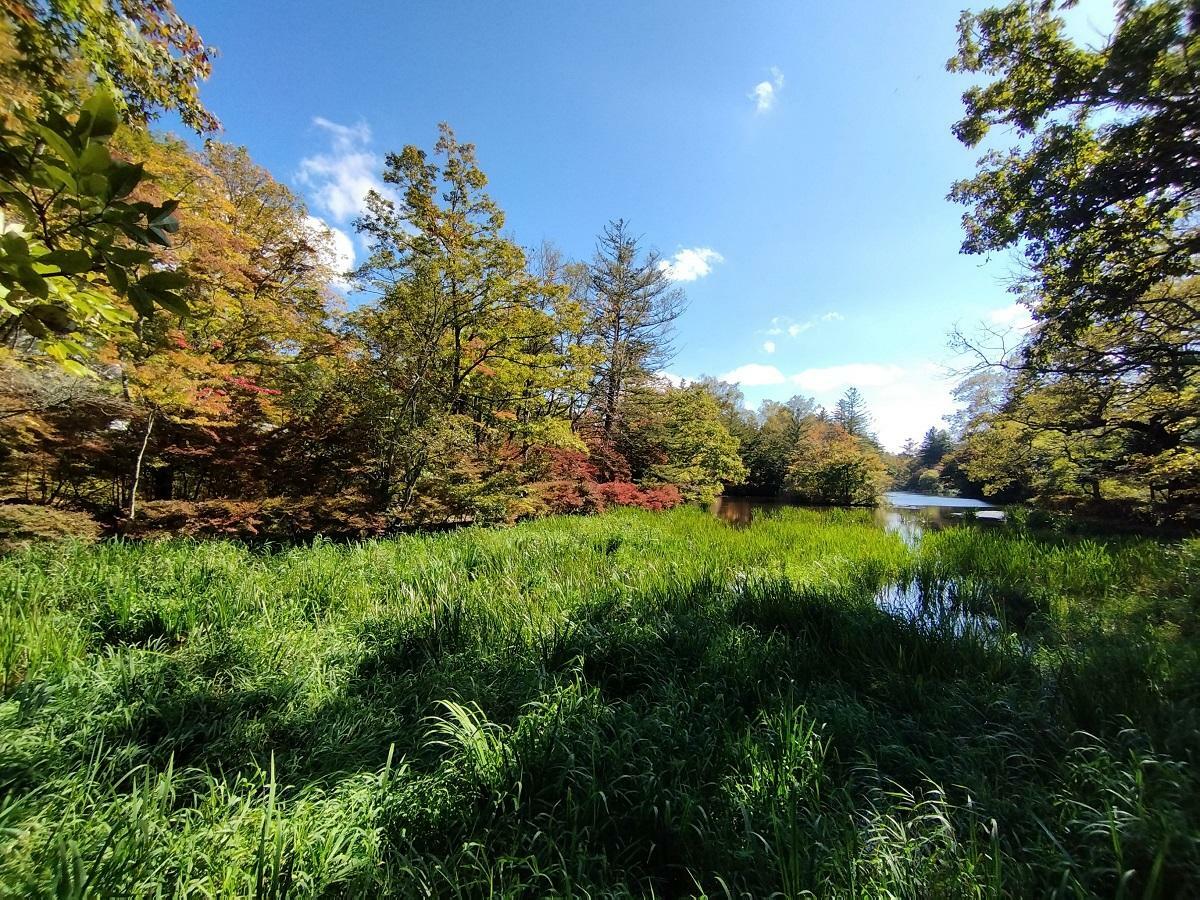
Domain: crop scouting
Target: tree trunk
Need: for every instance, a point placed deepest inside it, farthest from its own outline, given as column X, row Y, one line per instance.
column 137, row 469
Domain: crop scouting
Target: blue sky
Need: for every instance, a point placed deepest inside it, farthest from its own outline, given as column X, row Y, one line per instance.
column 792, row 159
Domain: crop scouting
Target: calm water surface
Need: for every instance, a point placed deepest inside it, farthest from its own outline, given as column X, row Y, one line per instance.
column 909, row 515
column 906, row 513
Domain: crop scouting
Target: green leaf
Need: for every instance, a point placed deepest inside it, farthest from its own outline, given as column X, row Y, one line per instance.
column 117, row 278
column 141, row 301
column 59, row 145
column 68, row 262
column 95, row 158
column 62, row 177
column 94, row 186
column 15, row 246
column 166, row 280
column 34, row 283
column 123, row 177
column 54, row 317
column 158, row 236
column 101, row 112
column 172, row 303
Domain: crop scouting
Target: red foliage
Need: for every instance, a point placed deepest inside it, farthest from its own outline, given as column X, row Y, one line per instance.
column 571, row 464
column 625, row 493
column 609, row 463
column 661, row 496
column 247, row 385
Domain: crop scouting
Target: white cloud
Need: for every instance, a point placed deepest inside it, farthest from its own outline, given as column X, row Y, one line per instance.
column 1015, row 316
column 860, row 375
column 671, row 378
column 769, row 346
column 754, row 375
column 781, row 325
column 766, row 92
column 335, row 249
column 903, row 400
column 338, row 180
column 690, row 263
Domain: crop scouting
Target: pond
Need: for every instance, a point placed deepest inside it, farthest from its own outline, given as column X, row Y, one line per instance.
column 908, row 514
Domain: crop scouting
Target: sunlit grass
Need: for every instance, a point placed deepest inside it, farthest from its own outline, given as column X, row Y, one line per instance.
column 624, row 705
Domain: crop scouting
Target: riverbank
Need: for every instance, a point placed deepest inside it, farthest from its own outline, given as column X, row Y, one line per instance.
column 621, row 704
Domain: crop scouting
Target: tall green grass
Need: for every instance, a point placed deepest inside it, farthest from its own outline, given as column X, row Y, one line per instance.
column 634, row 704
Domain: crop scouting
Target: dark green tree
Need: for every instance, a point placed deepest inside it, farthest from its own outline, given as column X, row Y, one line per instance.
column 1100, row 195
column 851, row 413
column 633, row 307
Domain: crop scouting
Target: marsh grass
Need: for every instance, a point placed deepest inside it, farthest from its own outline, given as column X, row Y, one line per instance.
column 635, row 704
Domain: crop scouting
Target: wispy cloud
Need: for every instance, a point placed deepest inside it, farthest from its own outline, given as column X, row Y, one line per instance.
column 781, row 325
column 1015, row 316
column 768, row 346
column 335, row 249
column 339, row 179
column 765, row 93
column 691, row 263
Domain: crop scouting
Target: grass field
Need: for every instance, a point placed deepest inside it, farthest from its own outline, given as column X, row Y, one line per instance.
column 645, row 704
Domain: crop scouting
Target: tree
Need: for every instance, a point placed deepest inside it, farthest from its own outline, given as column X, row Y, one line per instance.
column 1080, row 431
column 1100, row 199
column 76, row 250
column 830, row 466
column 1101, row 196
column 934, row 446
column 677, row 436
column 851, row 414
column 633, row 306
column 768, row 450
column 141, row 51
column 199, row 396
column 465, row 344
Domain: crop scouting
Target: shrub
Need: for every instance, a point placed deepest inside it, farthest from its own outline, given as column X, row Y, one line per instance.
column 22, row 524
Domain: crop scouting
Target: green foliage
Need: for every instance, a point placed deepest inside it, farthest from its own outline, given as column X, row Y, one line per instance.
column 1101, row 198
column 141, row 51
column 76, row 251
column 633, row 306
column 830, row 466
column 633, row 704
column 696, row 452
column 851, row 414
column 23, row 524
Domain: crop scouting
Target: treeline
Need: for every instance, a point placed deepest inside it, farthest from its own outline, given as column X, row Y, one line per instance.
column 174, row 356
column 476, row 383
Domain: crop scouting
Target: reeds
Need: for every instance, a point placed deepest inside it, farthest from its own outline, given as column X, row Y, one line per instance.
column 633, row 704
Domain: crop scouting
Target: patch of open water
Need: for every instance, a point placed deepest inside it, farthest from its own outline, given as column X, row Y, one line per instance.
column 910, row 515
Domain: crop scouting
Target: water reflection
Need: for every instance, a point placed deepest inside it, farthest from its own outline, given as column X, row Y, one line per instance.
column 909, row 515
column 740, row 511
column 935, row 607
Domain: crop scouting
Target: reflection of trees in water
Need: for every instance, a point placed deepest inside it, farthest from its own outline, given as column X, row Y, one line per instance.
column 909, row 522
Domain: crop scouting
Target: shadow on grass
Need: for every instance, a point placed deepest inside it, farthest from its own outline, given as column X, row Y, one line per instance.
column 636, row 743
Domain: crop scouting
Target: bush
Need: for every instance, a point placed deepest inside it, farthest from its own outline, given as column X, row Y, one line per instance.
column 271, row 519
column 23, row 524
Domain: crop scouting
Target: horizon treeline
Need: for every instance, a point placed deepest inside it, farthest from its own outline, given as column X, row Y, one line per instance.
column 172, row 335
